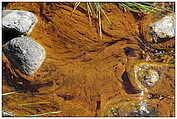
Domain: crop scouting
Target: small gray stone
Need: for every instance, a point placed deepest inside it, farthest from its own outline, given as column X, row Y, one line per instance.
column 25, row 54
column 146, row 75
column 164, row 28
column 18, row 22
column 7, row 114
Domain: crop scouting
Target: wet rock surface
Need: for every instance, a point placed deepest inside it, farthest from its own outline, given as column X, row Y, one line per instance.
column 25, row 54
column 147, row 76
column 7, row 114
column 164, row 28
column 133, row 106
column 16, row 23
column 152, row 77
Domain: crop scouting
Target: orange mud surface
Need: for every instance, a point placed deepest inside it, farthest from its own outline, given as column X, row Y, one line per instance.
column 82, row 72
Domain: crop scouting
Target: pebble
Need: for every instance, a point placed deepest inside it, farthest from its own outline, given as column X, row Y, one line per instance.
column 18, row 22
column 164, row 28
column 25, row 54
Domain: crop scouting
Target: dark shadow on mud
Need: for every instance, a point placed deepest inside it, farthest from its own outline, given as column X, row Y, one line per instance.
column 127, row 84
column 8, row 35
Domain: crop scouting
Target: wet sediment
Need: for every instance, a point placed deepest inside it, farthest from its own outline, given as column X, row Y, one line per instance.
column 85, row 75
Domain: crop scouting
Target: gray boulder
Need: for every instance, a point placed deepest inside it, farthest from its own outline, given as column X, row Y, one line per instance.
column 164, row 28
column 18, row 22
column 24, row 54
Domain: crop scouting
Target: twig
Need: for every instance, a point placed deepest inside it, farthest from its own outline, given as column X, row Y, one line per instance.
column 37, row 115
column 8, row 93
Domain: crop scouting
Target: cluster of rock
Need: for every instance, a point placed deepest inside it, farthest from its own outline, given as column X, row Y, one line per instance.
column 24, row 53
column 151, row 80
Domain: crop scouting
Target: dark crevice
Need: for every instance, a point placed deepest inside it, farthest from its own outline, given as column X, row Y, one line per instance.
column 145, row 45
column 66, row 97
column 127, row 84
column 113, row 42
column 130, row 52
column 98, row 107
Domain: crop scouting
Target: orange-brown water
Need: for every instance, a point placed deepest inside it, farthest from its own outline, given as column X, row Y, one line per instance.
column 82, row 72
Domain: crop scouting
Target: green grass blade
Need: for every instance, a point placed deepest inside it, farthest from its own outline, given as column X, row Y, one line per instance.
column 145, row 8
column 128, row 8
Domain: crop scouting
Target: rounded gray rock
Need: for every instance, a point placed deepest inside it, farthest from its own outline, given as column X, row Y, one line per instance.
column 18, row 22
column 164, row 28
column 25, row 54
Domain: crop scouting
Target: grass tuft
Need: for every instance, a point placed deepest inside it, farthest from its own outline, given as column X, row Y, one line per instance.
column 142, row 7
column 94, row 10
